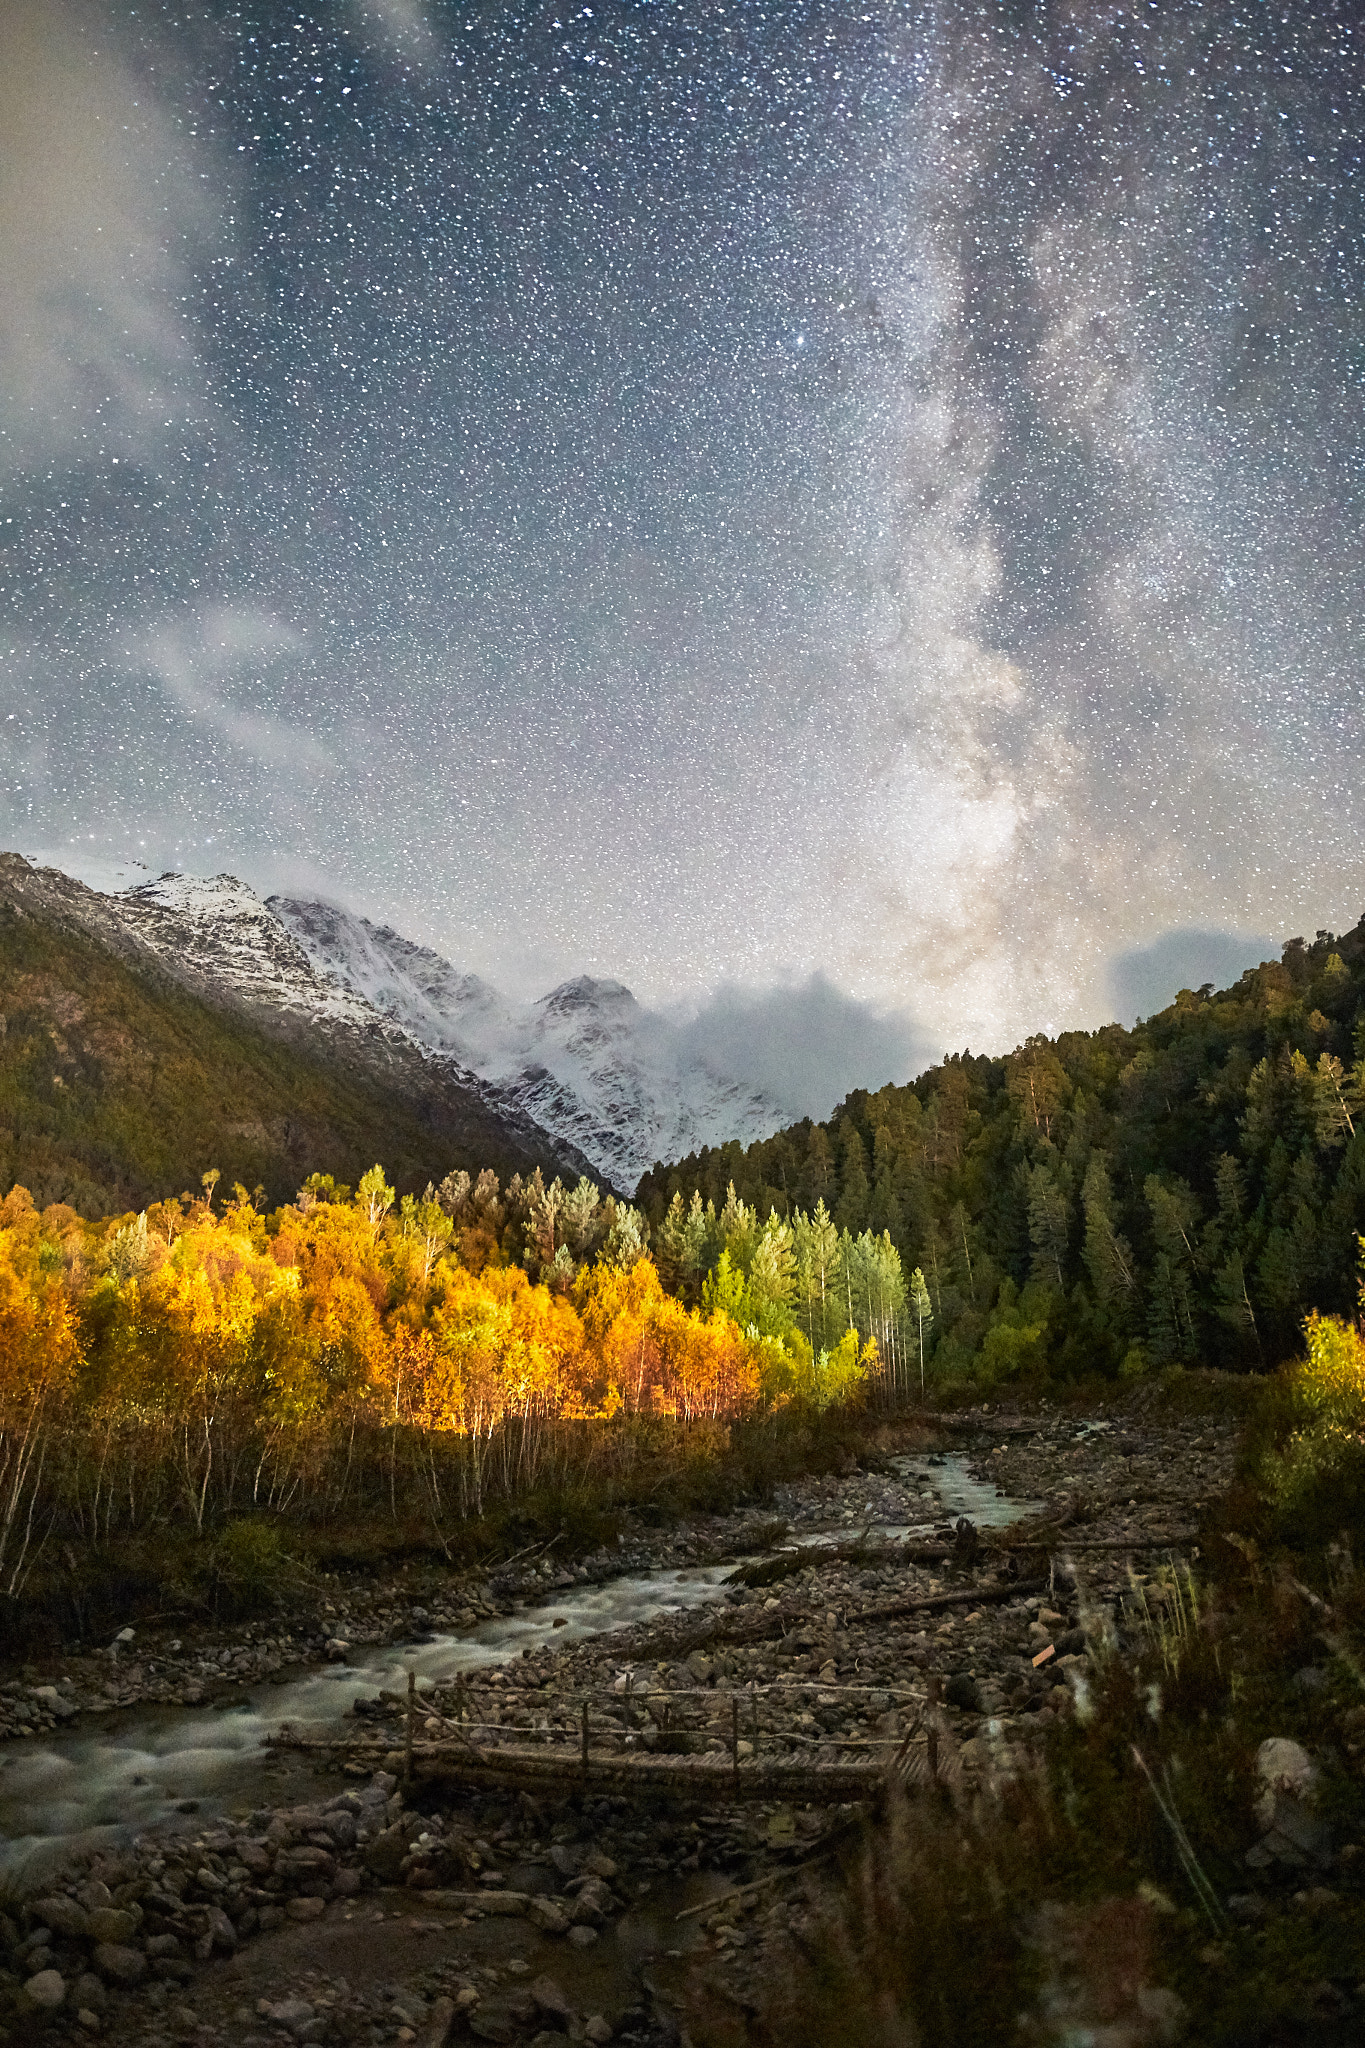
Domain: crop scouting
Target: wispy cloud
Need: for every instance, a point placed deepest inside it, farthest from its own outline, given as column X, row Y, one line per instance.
column 206, row 665
column 103, row 212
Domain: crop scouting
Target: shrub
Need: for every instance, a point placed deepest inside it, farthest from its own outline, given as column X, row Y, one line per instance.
column 1315, row 1478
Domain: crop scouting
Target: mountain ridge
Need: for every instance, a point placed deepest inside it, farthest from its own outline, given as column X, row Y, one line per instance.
column 124, row 1009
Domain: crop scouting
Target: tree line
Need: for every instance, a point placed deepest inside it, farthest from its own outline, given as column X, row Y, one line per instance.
column 204, row 1359
column 1114, row 1201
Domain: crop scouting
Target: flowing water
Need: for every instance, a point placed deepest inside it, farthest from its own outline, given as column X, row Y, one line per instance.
column 113, row 1775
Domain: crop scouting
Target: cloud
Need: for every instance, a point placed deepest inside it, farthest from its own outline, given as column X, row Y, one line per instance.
column 804, row 1045
column 205, row 665
column 102, row 216
column 400, row 26
column 1148, row 978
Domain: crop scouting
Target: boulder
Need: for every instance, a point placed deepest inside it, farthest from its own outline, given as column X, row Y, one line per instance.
column 290, row 2012
column 1293, row 1832
column 119, row 1964
column 46, row 1990
column 221, row 1928
column 551, row 2001
column 63, row 1916
column 384, row 1855
column 112, row 1924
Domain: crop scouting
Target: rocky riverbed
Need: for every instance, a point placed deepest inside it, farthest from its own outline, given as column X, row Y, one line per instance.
column 353, row 1910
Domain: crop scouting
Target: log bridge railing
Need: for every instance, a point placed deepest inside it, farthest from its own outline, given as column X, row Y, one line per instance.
column 924, row 1752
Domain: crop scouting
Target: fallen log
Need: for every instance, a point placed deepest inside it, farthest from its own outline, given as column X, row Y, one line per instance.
column 811, row 1784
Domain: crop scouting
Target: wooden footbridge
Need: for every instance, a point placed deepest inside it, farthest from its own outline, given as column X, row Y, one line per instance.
column 488, row 1756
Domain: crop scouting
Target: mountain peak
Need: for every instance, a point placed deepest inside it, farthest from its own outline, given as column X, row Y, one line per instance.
column 587, row 992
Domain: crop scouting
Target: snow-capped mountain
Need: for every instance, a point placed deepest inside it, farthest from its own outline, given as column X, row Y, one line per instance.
column 216, row 938
column 607, row 1079
column 586, row 1061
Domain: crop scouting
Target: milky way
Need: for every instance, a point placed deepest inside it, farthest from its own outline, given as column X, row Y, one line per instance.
column 699, row 493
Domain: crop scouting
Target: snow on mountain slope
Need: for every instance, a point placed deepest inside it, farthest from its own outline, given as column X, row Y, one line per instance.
column 439, row 1006
column 586, row 1061
column 220, row 931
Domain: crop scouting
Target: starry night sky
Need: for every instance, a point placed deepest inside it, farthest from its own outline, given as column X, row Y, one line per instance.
column 701, row 493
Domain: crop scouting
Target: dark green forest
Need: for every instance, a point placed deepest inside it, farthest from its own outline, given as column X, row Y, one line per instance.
column 1104, row 1202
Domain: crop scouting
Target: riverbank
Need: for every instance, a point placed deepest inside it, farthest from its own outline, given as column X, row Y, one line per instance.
column 398, row 1890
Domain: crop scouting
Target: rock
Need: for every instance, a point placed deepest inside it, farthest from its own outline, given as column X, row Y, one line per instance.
column 701, row 1667
column 549, row 1916
column 221, row 1928
column 497, row 2027
column 291, row 2011
column 63, row 1916
column 1285, row 1766
column 306, row 1908
column 163, row 1945
column 46, row 1990
column 598, row 1865
column 1293, row 1832
column 582, row 1936
column 1071, row 1643
column 440, row 2023
column 112, row 1924
column 88, row 2019
column 597, row 2030
column 121, row 1965
column 346, row 1883
column 550, row 2000
column 88, row 1991
column 962, row 1691
column 384, row 1856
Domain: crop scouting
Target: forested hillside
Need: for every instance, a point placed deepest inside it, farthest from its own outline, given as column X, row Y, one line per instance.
column 119, row 1087
column 1113, row 1200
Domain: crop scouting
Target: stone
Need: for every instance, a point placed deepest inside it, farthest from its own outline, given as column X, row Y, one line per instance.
column 120, row 1964
column 582, row 1936
column 88, row 1990
column 163, row 1945
column 963, row 1692
column 550, row 2000
column 291, row 2011
column 63, row 1916
column 1285, row 1766
column 597, row 2029
column 46, row 1990
column 384, row 1856
column 88, row 2019
column 598, row 1865
column 497, row 2027
column 440, row 2022
column 112, row 1924
column 221, row 1928
column 549, row 1916
column 346, row 1883
column 307, row 1908
column 1294, row 1833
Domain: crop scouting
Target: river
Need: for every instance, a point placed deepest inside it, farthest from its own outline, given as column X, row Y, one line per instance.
column 129, row 1770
